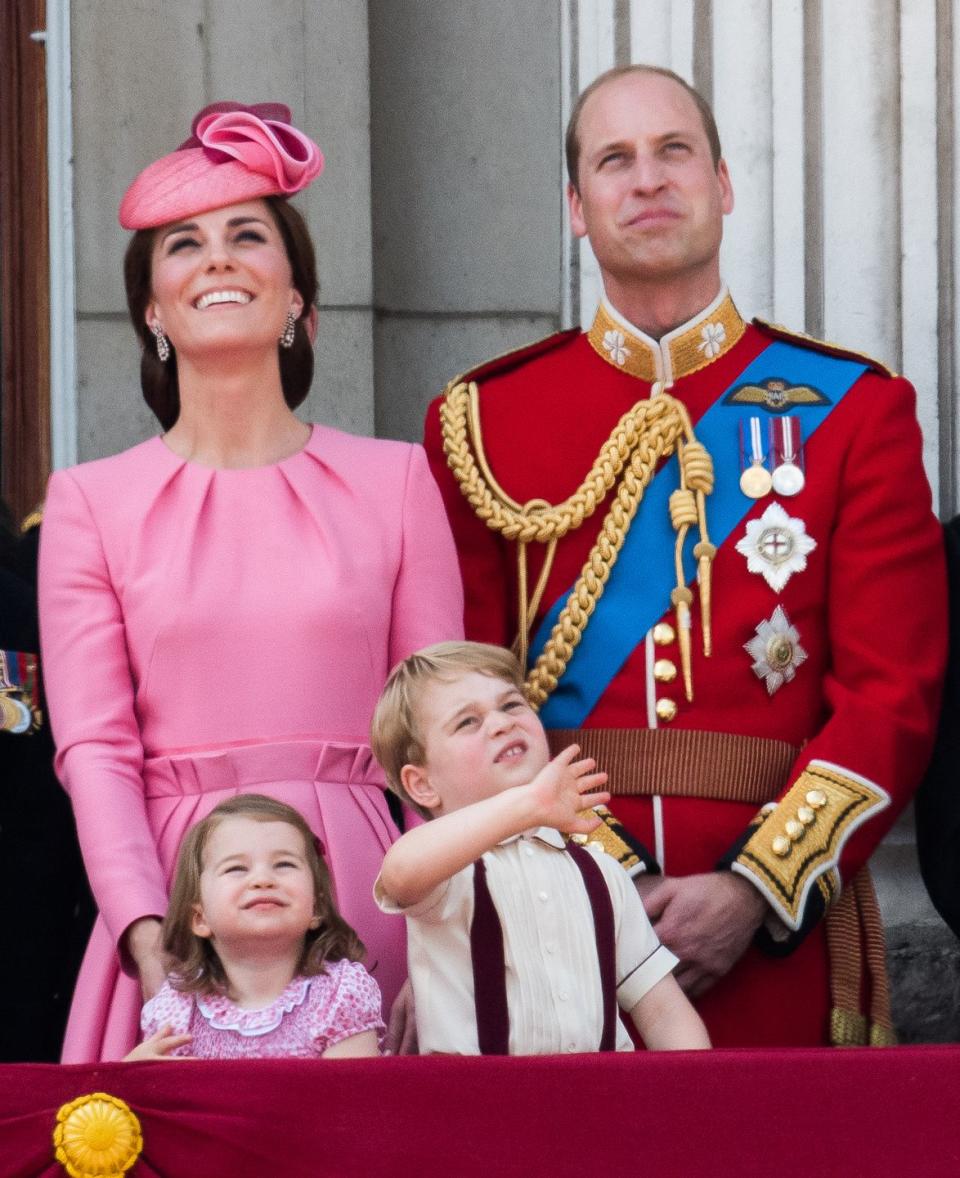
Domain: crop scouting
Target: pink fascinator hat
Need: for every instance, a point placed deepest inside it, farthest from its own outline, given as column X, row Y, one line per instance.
column 234, row 153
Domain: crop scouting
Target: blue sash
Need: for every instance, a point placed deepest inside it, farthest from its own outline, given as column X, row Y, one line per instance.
column 638, row 592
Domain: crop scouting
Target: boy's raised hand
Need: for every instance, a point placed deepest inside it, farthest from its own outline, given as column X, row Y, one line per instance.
column 564, row 788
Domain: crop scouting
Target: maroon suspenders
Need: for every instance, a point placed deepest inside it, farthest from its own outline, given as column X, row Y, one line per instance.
column 489, row 966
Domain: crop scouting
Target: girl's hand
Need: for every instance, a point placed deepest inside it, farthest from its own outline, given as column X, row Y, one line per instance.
column 143, row 945
column 564, row 788
column 159, row 1046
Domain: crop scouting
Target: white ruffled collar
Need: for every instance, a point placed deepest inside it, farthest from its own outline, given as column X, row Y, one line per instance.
column 223, row 1014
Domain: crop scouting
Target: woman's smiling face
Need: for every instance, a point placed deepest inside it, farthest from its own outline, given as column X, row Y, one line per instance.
column 222, row 281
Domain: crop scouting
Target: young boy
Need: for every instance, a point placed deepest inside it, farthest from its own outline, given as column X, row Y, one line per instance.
column 518, row 943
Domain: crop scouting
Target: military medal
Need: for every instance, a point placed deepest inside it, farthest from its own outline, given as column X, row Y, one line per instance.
column 755, row 479
column 788, row 476
column 19, row 696
column 15, row 716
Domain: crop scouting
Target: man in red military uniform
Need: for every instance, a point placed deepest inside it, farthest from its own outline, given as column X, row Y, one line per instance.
column 716, row 538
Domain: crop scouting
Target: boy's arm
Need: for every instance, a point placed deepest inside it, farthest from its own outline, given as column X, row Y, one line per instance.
column 667, row 1021
column 426, row 856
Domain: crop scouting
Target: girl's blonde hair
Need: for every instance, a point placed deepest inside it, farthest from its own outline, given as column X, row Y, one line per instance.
column 195, row 966
column 395, row 734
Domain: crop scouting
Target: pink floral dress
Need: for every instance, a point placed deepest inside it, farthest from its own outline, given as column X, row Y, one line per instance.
column 310, row 1015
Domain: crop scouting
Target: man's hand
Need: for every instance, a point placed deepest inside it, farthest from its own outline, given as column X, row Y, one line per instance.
column 402, row 1026
column 158, row 1046
column 565, row 787
column 707, row 921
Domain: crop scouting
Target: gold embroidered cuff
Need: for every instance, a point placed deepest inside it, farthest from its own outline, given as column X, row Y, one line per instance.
column 614, row 838
column 798, row 845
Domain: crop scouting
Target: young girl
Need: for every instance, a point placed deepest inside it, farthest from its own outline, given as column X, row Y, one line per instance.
column 263, row 965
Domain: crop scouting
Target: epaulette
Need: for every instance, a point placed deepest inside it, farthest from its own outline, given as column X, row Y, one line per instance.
column 778, row 331
column 31, row 521
column 513, row 359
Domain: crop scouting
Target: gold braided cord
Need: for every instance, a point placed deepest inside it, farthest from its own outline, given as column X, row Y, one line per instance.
column 527, row 602
column 648, row 432
column 502, row 513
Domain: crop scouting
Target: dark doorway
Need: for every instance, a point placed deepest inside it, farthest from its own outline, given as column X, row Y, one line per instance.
column 24, row 259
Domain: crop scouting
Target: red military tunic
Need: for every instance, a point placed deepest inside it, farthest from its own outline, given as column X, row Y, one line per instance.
column 869, row 608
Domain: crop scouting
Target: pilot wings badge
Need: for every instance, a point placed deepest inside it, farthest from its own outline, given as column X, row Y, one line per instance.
column 776, row 395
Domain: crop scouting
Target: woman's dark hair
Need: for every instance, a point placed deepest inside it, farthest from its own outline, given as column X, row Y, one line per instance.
column 196, row 968
column 158, row 379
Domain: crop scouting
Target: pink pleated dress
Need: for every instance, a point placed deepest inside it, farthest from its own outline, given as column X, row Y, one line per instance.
column 207, row 632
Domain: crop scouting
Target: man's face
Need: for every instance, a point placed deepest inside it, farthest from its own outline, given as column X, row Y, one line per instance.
column 650, row 199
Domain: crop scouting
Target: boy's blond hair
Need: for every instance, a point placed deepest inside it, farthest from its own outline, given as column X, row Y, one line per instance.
column 395, row 733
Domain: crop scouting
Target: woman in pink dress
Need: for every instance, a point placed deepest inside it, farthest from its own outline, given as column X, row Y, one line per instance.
column 220, row 606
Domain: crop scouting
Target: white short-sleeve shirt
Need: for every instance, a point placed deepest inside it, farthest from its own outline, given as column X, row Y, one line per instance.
column 554, row 995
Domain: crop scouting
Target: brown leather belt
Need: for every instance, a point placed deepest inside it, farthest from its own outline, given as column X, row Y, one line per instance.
column 680, row 762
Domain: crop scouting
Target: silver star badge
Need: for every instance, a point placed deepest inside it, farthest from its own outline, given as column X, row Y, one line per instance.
column 776, row 651
column 776, row 546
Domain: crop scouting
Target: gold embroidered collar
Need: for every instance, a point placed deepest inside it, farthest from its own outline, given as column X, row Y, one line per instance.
column 686, row 349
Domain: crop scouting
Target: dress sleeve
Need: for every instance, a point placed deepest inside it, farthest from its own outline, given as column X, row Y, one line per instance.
column 168, row 1008
column 347, row 1005
column 90, row 696
column 427, row 597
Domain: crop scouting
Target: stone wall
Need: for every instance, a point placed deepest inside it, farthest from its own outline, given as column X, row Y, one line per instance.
column 140, row 73
column 465, row 143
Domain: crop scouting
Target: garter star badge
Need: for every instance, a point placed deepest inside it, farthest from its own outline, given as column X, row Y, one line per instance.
column 776, row 651
column 776, row 546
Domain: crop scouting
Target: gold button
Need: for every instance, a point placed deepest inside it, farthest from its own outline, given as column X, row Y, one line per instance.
column 806, row 815
column 781, row 846
column 664, row 634
column 666, row 709
column 664, row 671
column 794, row 829
column 816, row 798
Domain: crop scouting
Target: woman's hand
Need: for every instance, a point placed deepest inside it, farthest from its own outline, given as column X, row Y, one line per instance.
column 402, row 1027
column 143, row 945
column 158, row 1046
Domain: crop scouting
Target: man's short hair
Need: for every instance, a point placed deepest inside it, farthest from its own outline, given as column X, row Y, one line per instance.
column 395, row 735
column 622, row 71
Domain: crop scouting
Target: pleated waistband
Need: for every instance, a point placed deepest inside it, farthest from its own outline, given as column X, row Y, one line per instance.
column 330, row 762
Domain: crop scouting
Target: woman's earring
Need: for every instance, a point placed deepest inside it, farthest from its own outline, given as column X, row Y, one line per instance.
column 163, row 344
column 286, row 337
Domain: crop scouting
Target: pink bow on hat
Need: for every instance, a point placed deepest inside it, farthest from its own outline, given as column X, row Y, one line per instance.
column 235, row 153
column 261, row 138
